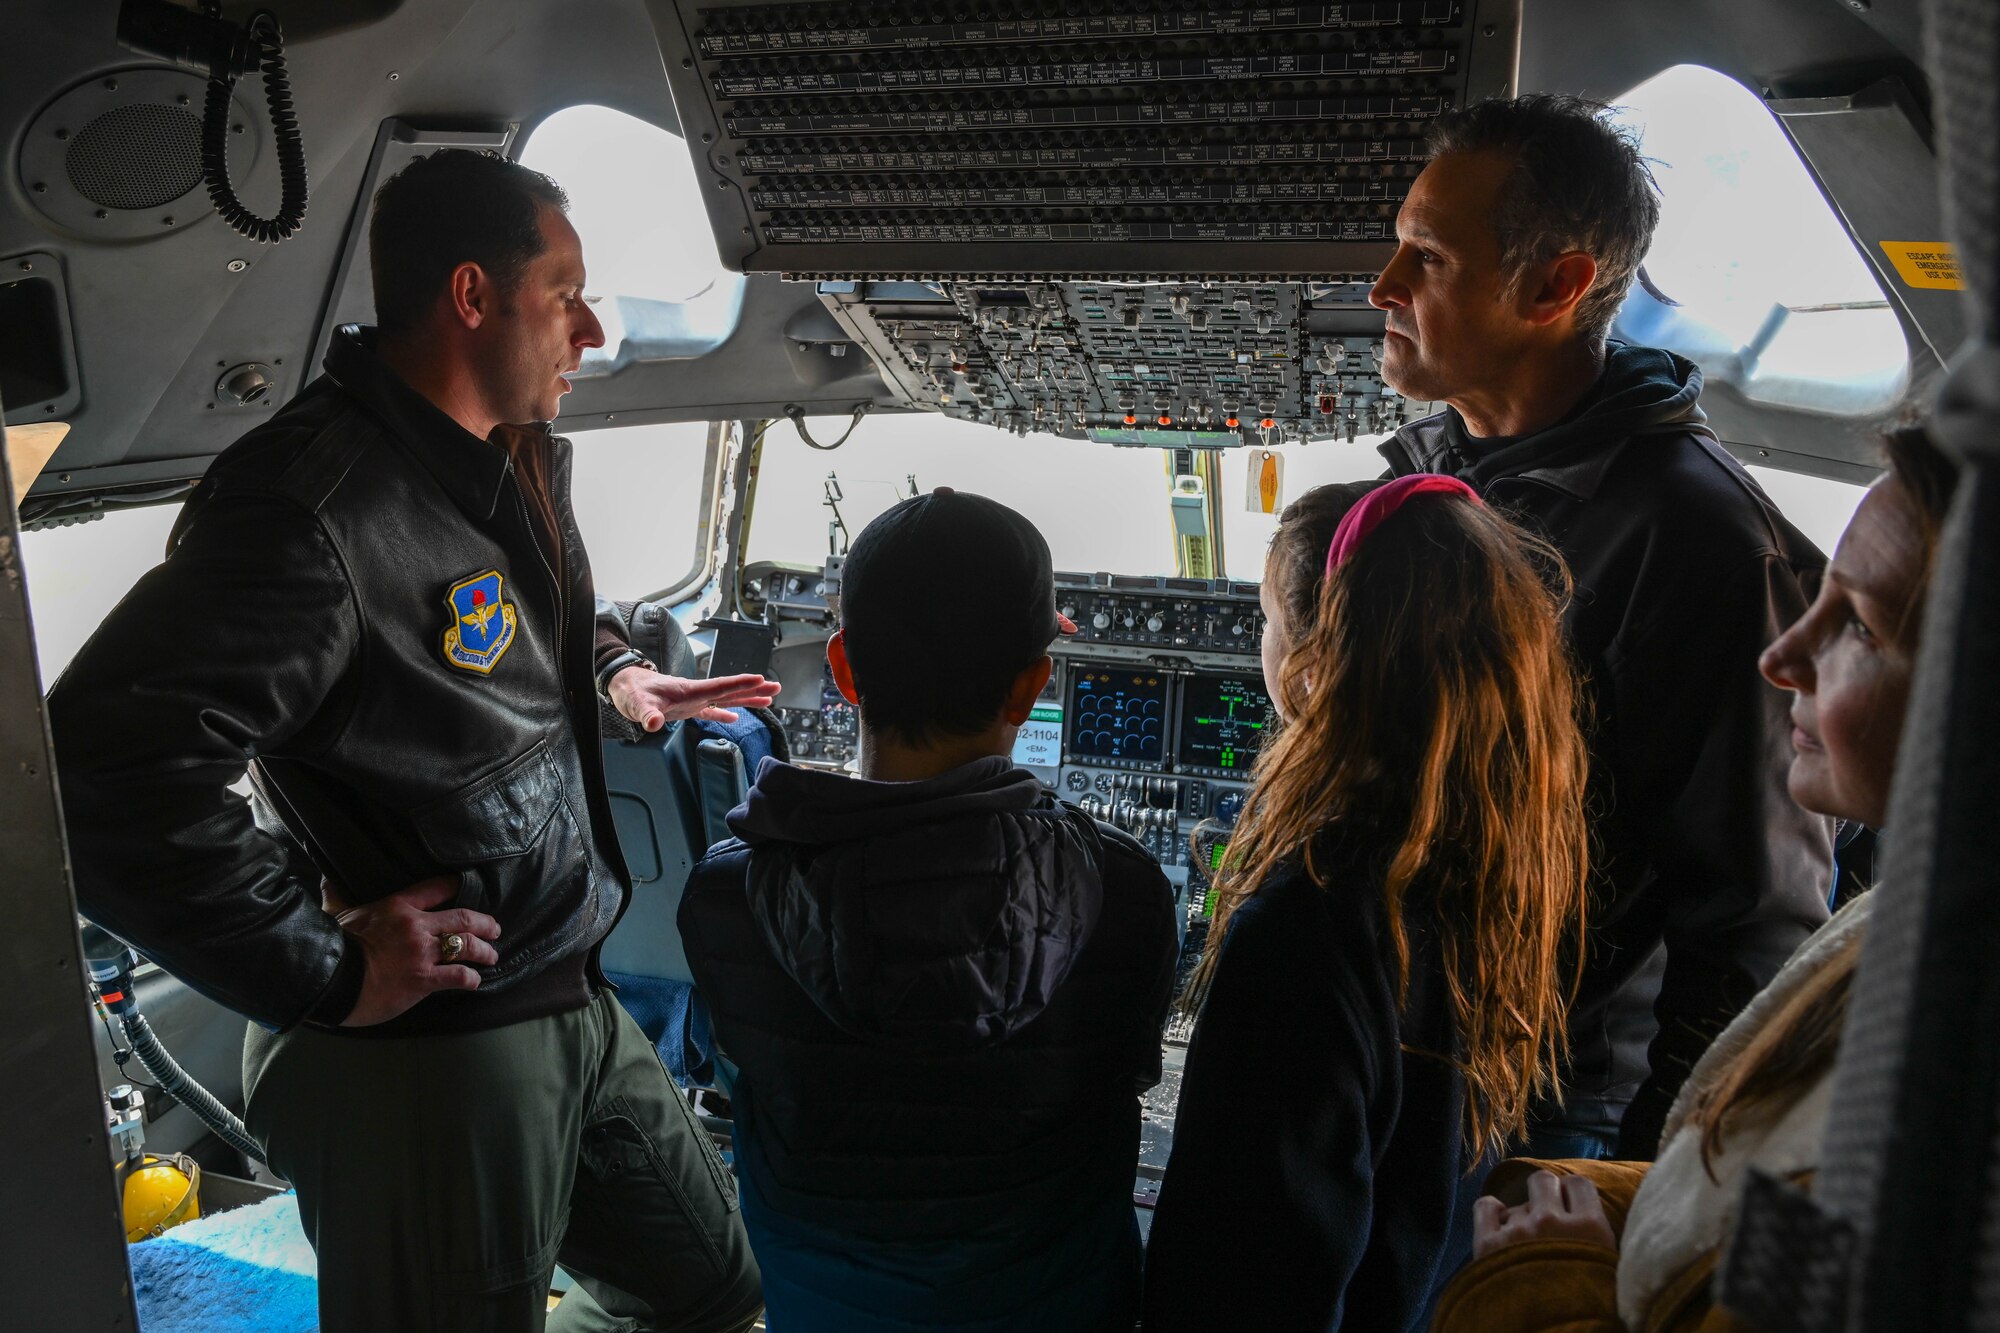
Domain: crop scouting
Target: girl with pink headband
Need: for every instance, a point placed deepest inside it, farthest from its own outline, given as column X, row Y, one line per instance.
column 1398, row 920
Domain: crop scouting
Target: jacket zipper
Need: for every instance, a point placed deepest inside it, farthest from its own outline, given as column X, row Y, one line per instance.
column 594, row 959
column 562, row 592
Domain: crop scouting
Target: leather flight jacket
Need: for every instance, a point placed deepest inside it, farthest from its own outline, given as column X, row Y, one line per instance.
column 359, row 608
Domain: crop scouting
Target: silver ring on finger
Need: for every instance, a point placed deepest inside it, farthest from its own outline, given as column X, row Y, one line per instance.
column 451, row 946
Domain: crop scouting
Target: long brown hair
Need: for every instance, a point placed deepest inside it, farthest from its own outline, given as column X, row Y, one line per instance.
column 1433, row 714
column 1793, row 1051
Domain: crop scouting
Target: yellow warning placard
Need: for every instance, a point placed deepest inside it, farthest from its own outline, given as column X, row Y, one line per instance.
column 1932, row 264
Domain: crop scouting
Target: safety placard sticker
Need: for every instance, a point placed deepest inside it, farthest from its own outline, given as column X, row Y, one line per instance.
column 1926, row 264
column 1038, row 744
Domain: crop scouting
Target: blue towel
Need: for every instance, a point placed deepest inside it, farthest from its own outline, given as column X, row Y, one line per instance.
column 674, row 1018
column 248, row 1270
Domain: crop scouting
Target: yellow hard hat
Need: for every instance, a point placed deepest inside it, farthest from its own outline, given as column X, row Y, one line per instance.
column 161, row 1192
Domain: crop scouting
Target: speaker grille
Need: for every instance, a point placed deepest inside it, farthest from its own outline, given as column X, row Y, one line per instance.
column 139, row 155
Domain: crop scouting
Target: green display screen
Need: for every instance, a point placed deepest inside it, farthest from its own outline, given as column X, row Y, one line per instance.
column 1156, row 438
column 1223, row 722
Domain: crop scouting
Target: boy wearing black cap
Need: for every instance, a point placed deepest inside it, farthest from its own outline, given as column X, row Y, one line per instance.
column 943, row 986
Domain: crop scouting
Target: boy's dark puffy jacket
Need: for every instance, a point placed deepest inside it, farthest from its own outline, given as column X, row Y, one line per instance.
column 944, row 998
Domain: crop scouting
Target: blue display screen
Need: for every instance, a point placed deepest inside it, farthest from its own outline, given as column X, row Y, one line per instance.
column 1118, row 714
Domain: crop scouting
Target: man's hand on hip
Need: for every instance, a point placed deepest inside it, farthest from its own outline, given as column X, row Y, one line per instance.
column 412, row 949
column 653, row 700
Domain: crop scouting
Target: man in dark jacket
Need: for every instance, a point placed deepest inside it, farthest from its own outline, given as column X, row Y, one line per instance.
column 1517, row 245
column 942, row 986
column 378, row 602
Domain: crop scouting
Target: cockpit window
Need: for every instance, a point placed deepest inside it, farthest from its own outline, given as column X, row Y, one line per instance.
column 1101, row 507
column 638, row 498
column 77, row 573
column 1767, row 291
column 635, row 203
column 646, row 243
column 1246, row 533
column 1821, row 508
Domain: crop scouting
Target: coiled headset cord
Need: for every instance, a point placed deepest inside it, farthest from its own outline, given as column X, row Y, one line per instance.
column 268, row 43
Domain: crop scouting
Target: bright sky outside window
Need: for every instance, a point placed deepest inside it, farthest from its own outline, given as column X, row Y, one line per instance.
column 1773, row 295
column 634, row 200
column 76, row 574
column 637, row 495
column 1100, row 507
column 1246, row 535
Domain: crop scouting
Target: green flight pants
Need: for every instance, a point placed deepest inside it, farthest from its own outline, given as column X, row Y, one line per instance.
column 441, row 1177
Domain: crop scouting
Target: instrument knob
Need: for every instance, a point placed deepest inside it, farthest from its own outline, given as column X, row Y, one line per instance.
column 1102, row 620
column 1155, row 623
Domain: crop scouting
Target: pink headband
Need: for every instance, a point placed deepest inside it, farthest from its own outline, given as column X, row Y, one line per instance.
column 1381, row 502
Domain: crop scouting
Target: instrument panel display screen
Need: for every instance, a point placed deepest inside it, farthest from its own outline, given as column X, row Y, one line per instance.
column 1224, row 719
column 1118, row 714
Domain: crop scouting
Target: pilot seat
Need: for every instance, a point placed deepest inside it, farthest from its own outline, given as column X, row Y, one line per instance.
column 670, row 793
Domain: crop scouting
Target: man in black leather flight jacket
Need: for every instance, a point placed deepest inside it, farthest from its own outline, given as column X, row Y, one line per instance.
column 1708, row 876
column 390, row 621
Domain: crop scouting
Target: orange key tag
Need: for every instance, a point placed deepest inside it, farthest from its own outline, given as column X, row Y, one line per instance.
column 1264, row 491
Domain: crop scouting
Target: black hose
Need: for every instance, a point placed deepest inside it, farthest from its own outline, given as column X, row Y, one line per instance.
column 268, row 44
column 174, row 1081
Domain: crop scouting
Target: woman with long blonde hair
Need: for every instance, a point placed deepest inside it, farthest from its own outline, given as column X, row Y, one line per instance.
column 1398, row 923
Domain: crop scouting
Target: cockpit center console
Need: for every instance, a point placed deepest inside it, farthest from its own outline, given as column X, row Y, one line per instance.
column 1151, row 721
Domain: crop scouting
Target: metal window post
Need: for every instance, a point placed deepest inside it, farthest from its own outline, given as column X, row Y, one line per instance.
column 59, row 1216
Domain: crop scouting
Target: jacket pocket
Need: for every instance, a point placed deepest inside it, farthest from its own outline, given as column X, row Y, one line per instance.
column 519, row 853
column 502, row 815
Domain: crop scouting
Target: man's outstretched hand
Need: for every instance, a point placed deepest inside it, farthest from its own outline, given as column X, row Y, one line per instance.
column 653, row 700
column 402, row 938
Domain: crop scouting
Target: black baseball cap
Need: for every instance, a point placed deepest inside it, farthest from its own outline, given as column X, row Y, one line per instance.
column 948, row 580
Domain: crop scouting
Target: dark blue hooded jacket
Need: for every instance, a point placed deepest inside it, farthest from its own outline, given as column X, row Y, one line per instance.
column 1708, row 874
column 944, row 998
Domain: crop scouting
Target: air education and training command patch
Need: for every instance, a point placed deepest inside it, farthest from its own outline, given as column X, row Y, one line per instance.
column 483, row 624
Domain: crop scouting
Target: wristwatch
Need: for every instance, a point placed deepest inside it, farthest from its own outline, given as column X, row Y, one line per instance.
column 630, row 657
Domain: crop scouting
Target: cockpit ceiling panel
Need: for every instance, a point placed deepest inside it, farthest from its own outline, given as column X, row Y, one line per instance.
column 1086, row 139
column 1134, row 222
column 1190, row 365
